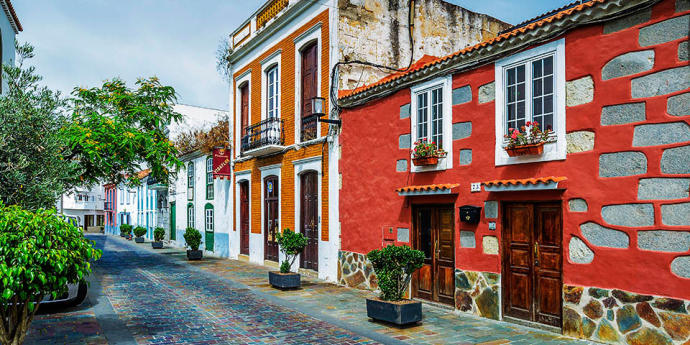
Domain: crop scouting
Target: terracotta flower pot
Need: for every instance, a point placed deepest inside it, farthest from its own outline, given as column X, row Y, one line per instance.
column 425, row 161
column 526, row 150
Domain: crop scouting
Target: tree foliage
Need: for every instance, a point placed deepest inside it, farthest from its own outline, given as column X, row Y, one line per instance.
column 197, row 139
column 394, row 266
column 39, row 254
column 158, row 234
column 291, row 244
column 125, row 229
column 139, row 231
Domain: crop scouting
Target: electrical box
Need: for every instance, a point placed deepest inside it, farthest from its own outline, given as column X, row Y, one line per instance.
column 470, row 214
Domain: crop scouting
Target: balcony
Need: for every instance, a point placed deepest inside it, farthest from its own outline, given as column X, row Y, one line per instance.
column 263, row 138
column 309, row 126
column 270, row 11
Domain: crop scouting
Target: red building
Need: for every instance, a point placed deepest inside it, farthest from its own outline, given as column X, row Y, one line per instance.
column 591, row 236
column 110, row 209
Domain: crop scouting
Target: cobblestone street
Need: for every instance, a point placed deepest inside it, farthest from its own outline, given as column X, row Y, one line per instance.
column 141, row 297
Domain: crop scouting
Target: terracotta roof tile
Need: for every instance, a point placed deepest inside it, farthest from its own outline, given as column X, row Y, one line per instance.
column 431, row 187
column 420, row 64
column 143, row 173
column 525, row 181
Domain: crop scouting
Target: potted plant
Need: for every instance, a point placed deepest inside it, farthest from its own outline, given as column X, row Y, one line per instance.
column 528, row 140
column 291, row 244
column 426, row 153
column 158, row 235
column 125, row 229
column 193, row 239
column 139, row 232
column 394, row 266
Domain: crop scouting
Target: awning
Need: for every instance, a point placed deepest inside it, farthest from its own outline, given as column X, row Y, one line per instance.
column 432, row 189
column 527, row 184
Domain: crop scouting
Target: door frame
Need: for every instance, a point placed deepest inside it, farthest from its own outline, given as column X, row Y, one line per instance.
column 264, row 211
column 504, row 259
column 414, row 242
column 301, row 166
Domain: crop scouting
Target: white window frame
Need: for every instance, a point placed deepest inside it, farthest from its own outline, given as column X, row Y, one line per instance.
column 301, row 41
column 208, row 213
column 268, row 65
column 555, row 150
column 190, row 216
column 445, row 82
column 209, row 178
column 191, row 175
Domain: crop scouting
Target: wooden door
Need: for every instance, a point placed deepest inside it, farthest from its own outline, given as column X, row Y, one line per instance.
column 271, row 218
column 173, row 225
column 244, row 217
column 309, row 219
column 532, row 266
column 434, row 235
column 309, row 77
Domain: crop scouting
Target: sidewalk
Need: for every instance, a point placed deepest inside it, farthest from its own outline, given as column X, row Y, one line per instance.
column 347, row 305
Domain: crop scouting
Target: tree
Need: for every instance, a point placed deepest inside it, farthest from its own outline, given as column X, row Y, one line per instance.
column 39, row 254
column 291, row 244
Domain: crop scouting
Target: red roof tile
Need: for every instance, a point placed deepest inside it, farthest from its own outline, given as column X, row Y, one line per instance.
column 525, row 181
column 431, row 187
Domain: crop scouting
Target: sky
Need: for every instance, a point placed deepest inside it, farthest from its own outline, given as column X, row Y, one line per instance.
column 84, row 42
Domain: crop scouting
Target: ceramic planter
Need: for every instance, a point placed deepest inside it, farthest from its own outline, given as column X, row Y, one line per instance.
column 400, row 312
column 139, row 239
column 284, row 280
column 194, row 254
column 157, row 245
column 425, row 161
column 526, row 150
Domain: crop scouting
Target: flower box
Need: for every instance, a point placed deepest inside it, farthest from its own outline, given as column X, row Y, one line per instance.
column 525, row 150
column 425, row 161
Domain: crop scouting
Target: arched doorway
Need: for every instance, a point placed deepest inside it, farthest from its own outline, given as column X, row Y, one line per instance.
column 309, row 219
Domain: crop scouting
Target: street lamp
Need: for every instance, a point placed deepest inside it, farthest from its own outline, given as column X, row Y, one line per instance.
column 317, row 110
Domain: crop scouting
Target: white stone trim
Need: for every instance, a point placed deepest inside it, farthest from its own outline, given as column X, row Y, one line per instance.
column 552, row 151
column 239, row 81
column 306, row 160
column 309, row 36
column 241, row 176
column 446, row 83
column 274, row 60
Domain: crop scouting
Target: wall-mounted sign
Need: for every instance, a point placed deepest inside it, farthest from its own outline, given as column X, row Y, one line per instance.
column 269, row 186
column 221, row 162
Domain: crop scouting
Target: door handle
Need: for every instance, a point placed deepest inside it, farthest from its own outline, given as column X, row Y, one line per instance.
column 436, row 249
column 536, row 254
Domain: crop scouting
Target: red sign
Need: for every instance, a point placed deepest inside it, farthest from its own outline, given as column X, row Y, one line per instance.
column 221, row 162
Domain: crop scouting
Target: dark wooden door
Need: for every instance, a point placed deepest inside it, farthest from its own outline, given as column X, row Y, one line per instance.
column 434, row 235
column 309, row 219
column 244, row 217
column 309, row 77
column 532, row 266
column 271, row 218
column 244, row 107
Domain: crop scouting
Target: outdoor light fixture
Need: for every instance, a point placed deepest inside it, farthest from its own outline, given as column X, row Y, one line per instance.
column 318, row 111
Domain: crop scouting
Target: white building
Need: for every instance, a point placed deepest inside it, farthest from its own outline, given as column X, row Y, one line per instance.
column 86, row 206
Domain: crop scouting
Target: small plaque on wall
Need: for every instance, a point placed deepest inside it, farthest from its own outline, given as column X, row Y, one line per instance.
column 404, row 235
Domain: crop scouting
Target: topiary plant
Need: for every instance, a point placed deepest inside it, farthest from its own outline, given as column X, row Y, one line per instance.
column 291, row 244
column 158, row 234
column 40, row 253
column 125, row 229
column 139, row 231
column 193, row 238
column 394, row 266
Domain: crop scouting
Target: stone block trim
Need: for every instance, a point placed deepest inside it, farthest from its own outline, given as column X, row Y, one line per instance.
column 661, row 134
column 466, row 157
column 487, row 93
column 661, row 83
column 478, row 293
column 682, row 5
column 628, row 21
column 676, row 214
column 663, row 188
column 404, row 141
column 405, row 111
column 579, row 91
column 401, row 165
column 622, row 164
column 680, row 266
column 633, row 215
column 676, row 160
column 604, row 237
column 490, row 245
column 577, row 205
column 628, row 64
column 462, row 95
column 491, row 209
column 467, row 239
column 623, row 113
column 579, row 252
column 683, row 51
column 664, row 240
column 355, row 270
column 462, row 130
column 617, row 316
column 580, row 141
column 679, row 105
column 666, row 31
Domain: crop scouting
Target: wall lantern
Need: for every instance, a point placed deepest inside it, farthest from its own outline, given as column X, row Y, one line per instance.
column 317, row 110
column 470, row 214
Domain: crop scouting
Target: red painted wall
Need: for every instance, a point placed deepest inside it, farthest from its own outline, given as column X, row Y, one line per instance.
column 370, row 133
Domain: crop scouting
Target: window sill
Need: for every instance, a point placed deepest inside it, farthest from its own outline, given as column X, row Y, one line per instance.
column 442, row 165
column 553, row 151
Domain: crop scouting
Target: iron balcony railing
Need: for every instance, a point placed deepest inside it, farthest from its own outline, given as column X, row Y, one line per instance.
column 309, row 124
column 264, row 133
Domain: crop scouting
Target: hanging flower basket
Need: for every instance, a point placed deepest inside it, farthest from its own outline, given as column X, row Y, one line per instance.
column 526, row 150
column 425, row 161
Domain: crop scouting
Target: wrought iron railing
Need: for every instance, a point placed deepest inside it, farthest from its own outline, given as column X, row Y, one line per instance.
column 309, row 125
column 264, row 133
column 270, row 11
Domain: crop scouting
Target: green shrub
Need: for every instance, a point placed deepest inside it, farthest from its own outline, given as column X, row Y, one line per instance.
column 193, row 238
column 291, row 244
column 125, row 229
column 39, row 254
column 394, row 266
column 158, row 234
column 139, row 231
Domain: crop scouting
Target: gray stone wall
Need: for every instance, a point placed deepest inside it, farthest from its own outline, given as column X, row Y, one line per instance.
column 478, row 293
column 355, row 270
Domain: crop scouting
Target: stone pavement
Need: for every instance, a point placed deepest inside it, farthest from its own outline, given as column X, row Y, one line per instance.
column 146, row 297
